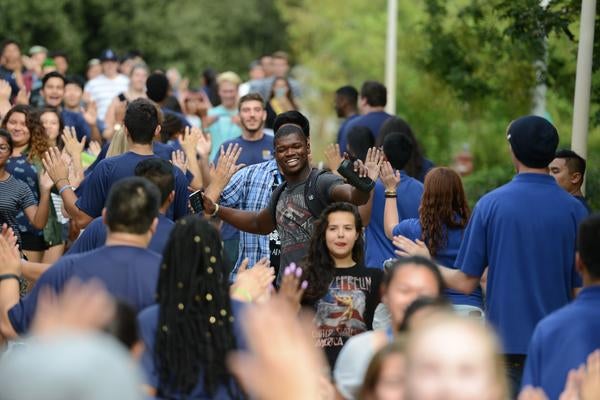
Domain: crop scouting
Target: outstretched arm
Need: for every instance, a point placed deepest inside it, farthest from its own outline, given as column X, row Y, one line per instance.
column 370, row 168
column 258, row 222
column 390, row 180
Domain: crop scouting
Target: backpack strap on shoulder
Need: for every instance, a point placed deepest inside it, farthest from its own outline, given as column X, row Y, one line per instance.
column 312, row 197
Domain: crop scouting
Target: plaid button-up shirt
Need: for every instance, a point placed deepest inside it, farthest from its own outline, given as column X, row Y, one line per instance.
column 250, row 189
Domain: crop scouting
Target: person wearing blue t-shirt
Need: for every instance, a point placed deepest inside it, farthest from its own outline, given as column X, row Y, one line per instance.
column 524, row 232
column 223, row 121
column 443, row 217
column 346, row 99
column 397, row 149
column 195, row 324
column 157, row 171
column 563, row 340
column 373, row 98
column 124, row 266
column 568, row 168
column 141, row 127
column 256, row 147
column 53, row 93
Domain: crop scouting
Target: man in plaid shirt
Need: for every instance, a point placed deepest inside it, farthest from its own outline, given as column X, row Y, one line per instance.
column 250, row 189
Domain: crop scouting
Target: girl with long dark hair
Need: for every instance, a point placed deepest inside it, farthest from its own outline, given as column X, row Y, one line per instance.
column 29, row 143
column 443, row 217
column 341, row 289
column 194, row 325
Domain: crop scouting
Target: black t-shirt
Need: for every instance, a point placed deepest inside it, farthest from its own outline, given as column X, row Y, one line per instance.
column 295, row 221
column 347, row 309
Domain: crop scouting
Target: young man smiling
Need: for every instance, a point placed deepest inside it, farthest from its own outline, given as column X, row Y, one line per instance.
column 289, row 212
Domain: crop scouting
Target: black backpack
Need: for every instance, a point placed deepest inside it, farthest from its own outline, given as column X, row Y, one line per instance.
column 312, row 197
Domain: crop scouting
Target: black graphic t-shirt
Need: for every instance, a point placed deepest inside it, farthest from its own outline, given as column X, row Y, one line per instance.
column 295, row 221
column 347, row 309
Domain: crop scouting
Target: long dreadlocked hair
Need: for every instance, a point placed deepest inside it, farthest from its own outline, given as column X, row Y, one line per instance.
column 195, row 330
column 318, row 265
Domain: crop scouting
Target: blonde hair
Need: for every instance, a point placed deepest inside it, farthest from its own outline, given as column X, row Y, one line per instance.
column 229, row 76
column 488, row 336
column 118, row 144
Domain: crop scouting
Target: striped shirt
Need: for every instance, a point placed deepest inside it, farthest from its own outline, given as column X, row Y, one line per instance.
column 103, row 90
column 15, row 196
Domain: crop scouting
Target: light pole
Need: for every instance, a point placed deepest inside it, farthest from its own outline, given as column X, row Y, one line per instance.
column 583, row 80
column 390, row 56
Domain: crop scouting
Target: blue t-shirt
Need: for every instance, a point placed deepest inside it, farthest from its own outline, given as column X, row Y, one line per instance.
column 112, row 169
column 562, row 341
column 525, row 232
column 76, row 120
column 128, row 273
column 253, row 152
column 94, row 236
column 342, row 136
column 148, row 322
column 223, row 128
column 372, row 120
column 411, row 228
column 180, row 116
column 378, row 247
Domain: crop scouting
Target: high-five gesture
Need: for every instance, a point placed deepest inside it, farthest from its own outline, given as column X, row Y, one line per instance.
column 73, row 146
column 373, row 162
column 333, row 158
column 225, row 169
column 55, row 166
column 389, row 177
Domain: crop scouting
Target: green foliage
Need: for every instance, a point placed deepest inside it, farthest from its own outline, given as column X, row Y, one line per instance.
column 190, row 34
column 483, row 181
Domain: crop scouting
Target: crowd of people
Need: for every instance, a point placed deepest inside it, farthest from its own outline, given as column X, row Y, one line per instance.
column 163, row 241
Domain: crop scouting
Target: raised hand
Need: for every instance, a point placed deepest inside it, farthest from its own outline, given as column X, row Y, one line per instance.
column 72, row 145
column 590, row 384
column 282, row 361
column 90, row 113
column 54, row 165
column 179, row 160
column 80, row 307
column 10, row 258
column 373, row 162
column 5, row 90
column 22, row 96
column 407, row 247
column 571, row 390
column 291, row 289
column 204, row 144
column 46, row 182
column 531, row 393
column 9, row 235
column 333, row 158
column 389, row 177
column 189, row 139
column 253, row 283
column 95, row 148
column 225, row 169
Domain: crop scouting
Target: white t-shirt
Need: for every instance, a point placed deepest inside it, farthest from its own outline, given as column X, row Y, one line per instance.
column 103, row 90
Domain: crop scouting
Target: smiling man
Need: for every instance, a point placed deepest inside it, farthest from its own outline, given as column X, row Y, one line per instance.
column 256, row 147
column 53, row 93
column 291, row 209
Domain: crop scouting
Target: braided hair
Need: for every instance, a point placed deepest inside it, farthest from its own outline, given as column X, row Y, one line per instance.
column 195, row 328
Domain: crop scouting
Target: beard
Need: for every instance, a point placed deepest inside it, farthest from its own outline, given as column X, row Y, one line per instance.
column 248, row 129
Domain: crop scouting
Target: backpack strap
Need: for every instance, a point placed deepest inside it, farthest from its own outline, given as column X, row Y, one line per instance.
column 275, row 198
column 312, row 197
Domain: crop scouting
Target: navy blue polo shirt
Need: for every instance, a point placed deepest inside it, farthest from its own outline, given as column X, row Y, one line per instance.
column 372, row 120
column 446, row 256
column 110, row 170
column 94, row 236
column 525, row 231
column 342, row 136
column 562, row 341
column 408, row 198
column 128, row 273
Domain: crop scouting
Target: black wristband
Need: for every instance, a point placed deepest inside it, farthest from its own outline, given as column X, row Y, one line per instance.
column 8, row 276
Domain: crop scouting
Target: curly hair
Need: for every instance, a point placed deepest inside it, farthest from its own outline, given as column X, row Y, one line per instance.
column 443, row 206
column 61, row 125
column 318, row 265
column 195, row 325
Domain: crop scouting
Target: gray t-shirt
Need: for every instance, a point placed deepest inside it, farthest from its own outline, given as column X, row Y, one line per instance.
column 295, row 221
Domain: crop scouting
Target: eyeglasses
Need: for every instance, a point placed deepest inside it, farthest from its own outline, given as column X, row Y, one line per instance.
column 4, row 148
